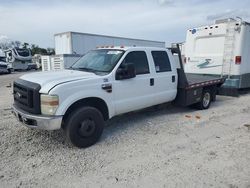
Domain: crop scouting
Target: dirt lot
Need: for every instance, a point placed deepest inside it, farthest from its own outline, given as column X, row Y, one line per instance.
column 164, row 147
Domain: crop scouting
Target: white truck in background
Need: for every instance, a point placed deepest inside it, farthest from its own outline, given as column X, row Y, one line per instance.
column 221, row 49
column 104, row 83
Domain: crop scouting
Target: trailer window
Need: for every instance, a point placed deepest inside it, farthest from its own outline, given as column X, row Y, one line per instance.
column 161, row 61
column 140, row 61
column 22, row 52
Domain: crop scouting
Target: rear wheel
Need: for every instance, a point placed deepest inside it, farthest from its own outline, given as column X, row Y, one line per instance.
column 205, row 100
column 84, row 126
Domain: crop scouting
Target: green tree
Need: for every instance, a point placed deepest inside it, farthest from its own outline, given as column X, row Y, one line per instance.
column 50, row 51
column 35, row 49
column 25, row 45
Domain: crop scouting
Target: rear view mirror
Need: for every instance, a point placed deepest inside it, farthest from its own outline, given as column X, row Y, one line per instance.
column 126, row 71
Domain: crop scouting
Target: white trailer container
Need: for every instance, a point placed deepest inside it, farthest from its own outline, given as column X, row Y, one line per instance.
column 221, row 49
column 60, row 62
column 80, row 43
column 46, row 62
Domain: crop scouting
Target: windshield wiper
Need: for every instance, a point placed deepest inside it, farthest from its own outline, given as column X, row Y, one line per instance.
column 82, row 69
column 85, row 69
column 88, row 69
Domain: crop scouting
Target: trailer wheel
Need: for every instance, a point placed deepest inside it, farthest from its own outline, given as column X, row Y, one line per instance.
column 206, row 99
column 84, row 126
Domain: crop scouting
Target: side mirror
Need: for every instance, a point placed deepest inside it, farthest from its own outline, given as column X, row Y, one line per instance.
column 127, row 71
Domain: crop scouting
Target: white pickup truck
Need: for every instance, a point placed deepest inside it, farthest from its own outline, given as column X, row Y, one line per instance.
column 104, row 83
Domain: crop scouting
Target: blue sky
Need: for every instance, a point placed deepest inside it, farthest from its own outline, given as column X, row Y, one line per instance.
column 37, row 21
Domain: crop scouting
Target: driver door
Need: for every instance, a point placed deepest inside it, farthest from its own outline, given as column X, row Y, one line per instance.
column 134, row 93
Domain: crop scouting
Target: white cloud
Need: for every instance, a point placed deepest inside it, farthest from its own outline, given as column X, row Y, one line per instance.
column 4, row 39
column 230, row 14
column 166, row 2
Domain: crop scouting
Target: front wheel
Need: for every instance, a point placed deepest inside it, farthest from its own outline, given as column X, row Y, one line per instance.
column 84, row 126
column 206, row 99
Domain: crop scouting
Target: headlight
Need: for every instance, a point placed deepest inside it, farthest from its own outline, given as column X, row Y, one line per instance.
column 49, row 104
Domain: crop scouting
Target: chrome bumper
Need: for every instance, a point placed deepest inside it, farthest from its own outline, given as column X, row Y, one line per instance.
column 37, row 121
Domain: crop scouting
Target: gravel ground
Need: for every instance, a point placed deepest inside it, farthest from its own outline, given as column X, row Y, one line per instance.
column 158, row 147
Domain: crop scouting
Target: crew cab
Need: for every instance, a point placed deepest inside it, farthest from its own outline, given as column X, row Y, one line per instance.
column 104, row 83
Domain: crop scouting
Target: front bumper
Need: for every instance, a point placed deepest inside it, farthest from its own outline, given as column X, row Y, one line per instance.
column 37, row 121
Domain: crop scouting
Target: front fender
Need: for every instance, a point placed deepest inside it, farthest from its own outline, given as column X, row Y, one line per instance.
column 65, row 101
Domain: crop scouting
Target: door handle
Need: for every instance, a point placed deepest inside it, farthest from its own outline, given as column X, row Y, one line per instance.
column 173, row 79
column 152, row 81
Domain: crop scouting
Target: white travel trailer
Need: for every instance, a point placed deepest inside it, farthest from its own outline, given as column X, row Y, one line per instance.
column 2, row 56
column 221, row 49
column 19, row 58
column 4, row 67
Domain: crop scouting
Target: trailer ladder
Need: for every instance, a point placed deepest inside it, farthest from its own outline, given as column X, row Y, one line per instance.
column 228, row 50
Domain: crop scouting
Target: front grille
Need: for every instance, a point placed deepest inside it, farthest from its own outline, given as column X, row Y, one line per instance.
column 26, row 96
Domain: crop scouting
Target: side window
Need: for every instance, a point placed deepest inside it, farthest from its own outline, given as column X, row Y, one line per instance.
column 140, row 61
column 161, row 61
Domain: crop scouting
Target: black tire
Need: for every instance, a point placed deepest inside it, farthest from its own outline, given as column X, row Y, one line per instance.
column 9, row 71
column 84, row 126
column 206, row 99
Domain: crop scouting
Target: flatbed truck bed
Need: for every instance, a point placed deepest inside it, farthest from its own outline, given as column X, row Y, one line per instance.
column 191, row 87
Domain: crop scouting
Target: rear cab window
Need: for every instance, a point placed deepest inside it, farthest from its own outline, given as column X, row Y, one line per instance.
column 140, row 61
column 161, row 61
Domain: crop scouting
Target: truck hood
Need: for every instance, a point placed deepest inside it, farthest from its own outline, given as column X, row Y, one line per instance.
column 50, row 79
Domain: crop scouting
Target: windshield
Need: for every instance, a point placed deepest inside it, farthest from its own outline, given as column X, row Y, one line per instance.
column 98, row 60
